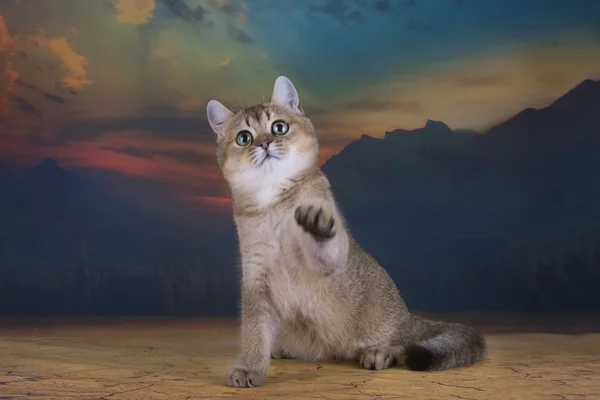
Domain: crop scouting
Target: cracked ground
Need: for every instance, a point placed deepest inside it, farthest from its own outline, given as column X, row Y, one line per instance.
column 187, row 359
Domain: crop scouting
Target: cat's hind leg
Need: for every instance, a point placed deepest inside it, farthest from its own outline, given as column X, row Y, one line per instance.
column 279, row 349
column 278, row 353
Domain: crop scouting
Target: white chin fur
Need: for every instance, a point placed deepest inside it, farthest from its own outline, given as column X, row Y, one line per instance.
column 264, row 182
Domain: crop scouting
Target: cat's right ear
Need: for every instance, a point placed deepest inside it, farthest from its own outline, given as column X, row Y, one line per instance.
column 285, row 94
column 218, row 115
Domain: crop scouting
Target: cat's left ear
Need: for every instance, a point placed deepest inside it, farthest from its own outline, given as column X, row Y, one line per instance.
column 218, row 115
column 285, row 95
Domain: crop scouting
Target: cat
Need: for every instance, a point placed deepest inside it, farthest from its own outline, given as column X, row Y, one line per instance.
column 309, row 291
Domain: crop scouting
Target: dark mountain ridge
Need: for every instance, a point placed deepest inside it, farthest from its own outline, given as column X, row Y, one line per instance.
column 564, row 125
column 68, row 247
column 508, row 220
column 458, row 212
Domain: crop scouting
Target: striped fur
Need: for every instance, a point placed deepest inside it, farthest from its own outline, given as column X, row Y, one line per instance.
column 309, row 291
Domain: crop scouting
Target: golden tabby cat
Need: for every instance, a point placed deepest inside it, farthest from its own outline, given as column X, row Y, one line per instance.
column 309, row 291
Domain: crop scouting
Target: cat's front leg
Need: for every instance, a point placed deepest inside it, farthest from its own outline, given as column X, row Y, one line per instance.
column 259, row 323
column 323, row 237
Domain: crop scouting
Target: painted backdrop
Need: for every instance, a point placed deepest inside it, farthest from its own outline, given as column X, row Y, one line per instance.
column 462, row 139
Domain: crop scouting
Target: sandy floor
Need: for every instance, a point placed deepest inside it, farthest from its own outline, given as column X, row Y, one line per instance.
column 92, row 359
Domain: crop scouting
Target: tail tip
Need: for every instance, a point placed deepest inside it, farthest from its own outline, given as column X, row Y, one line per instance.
column 419, row 358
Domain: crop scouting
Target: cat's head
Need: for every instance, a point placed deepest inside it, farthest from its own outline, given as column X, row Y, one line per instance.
column 267, row 143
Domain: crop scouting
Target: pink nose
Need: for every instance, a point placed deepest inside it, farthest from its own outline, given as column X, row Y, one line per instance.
column 265, row 144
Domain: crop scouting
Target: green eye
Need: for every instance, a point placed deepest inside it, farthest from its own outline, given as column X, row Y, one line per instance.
column 280, row 128
column 244, row 138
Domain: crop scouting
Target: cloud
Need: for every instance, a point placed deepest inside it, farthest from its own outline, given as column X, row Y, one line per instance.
column 339, row 10
column 8, row 75
column 182, row 156
column 355, row 17
column 204, row 174
column 54, row 98
column 383, row 6
column 193, row 104
column 169, row 45
column 28, row 86
column 370, row 103
column 136, row 12
column 183, row 10
column 225, row 62
column 475, row 80
column 218, row 204
column 478, row 91
column 173, row 128
column 26, row 106
column 73, row 63
column 412, row 24
column 239, row 35
column 229, row 7
column 375, row 103
column 226, row 8
column 48, row 96
column 235, row 9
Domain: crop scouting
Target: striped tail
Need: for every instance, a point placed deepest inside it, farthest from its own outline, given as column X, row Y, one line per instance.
column 442, row 345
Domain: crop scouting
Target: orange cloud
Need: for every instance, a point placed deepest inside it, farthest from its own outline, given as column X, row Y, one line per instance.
column 218, row 204
column 325, row 153
column 178, row 173
column 474, row 92
column 180, row 181
column 8, row 47
column 73, row 63
column 98, row 155
column 135, row 12
column 225, row 62
column 192, row 104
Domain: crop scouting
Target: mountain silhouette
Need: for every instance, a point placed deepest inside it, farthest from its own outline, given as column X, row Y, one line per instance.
column 506, row 219
column 565, row 125
column 490, row 220
column 8, row 187
column 69, row 247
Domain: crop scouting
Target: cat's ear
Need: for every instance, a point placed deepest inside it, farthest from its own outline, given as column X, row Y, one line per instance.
column 218, row 115
column 285, row 94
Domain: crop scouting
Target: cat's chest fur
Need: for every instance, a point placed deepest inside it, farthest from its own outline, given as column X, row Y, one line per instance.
column 296, row 290
column 295, row 287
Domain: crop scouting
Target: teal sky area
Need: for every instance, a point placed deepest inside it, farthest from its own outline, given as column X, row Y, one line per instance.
column 118, row 87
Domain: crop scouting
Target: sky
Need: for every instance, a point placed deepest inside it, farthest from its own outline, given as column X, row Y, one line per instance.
column 118, row 88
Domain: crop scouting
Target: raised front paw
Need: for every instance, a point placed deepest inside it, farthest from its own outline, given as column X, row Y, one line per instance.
column 242, row 377
column 316, row 220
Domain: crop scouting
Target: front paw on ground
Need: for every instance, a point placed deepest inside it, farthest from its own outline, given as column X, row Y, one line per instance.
column 377, row 358
column 241, row 377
